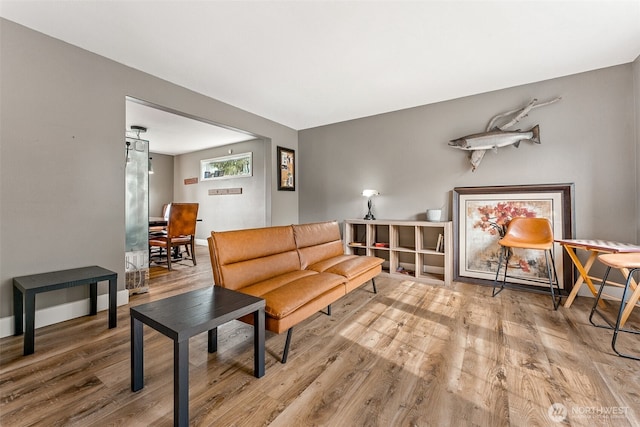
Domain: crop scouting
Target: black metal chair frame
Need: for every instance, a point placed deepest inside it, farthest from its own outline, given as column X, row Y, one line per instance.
column 505, row 254
column 610, row 325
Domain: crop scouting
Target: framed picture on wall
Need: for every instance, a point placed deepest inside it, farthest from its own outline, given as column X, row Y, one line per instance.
column 481, row 215
column 286, row 169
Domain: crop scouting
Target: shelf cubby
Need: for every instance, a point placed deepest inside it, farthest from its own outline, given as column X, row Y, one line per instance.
column 378, row 234
column 431, row 267
column 358, row 237
column 385, row 255
column 428, row 238
column 403, row 237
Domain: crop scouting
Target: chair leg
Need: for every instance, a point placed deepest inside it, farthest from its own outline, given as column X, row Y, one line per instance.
column 616, row 328
column 285, row 353
column 169, row 255
column 619, row 319
column 594, row 309
column 193, row 251
column 373, row 282
column 503, row 250
column 552, row 279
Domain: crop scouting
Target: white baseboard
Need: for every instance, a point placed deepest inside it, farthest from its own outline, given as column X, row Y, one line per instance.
column 60, row 313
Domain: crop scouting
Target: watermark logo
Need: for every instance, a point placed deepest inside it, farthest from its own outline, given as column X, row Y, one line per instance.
column 557, row 412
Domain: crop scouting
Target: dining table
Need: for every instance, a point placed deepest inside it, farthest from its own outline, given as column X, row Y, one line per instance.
column 157, row 221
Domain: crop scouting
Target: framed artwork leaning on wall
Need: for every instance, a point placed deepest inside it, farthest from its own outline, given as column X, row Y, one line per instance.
column 481, row 216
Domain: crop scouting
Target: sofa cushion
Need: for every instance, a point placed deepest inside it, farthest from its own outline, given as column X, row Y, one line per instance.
column 348, row 266
column 241, row 245
column 244, row 273
column 244, row 257
column 287, row 298
column 260, row 288
column 317, row 241
column 316, row 233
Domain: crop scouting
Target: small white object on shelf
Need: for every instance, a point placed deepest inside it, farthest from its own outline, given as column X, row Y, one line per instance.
column 434, row 215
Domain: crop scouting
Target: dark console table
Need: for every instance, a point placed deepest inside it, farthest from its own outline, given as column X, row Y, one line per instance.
column 183, row 316
column 26, row 287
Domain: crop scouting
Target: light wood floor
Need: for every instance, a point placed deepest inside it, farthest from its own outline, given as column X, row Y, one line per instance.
column 412, row 355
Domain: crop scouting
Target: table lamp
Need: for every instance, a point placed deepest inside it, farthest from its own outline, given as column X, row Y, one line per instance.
column 369, row 194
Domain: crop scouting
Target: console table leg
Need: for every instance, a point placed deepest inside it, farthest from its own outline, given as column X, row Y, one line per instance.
column 258, row 343
column 18, row 314
column 181, row 383
column 137, row 359
column 30, row 322
column 93, row 298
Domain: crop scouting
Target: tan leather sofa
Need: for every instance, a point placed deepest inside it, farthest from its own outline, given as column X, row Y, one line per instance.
column 297, row 269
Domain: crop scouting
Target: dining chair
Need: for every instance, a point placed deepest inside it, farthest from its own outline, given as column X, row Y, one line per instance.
column 160, row 229
column 181, row 230
column 529, row 233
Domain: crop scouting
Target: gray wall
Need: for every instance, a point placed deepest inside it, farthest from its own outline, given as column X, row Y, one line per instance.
column 636, row 91
column 588, row 138
column 62, row 156
column 160, row 182
column 224, row 212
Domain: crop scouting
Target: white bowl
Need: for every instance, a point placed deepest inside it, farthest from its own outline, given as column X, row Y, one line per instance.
column 434, row 215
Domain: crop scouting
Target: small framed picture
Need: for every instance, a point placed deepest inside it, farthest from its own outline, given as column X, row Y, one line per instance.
column 286, row 169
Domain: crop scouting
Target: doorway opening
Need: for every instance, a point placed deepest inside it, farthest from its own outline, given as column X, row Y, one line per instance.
column 177, row 144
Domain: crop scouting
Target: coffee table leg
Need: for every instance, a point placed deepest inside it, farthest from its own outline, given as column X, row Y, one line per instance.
column 181, row 383
column 213, row 340
column 258, row 343
column 137, row 349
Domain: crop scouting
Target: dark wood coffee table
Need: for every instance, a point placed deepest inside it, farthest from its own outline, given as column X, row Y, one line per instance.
column 183, row 316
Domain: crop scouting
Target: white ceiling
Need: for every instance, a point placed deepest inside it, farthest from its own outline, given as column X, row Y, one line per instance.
column 311, row 63
column 174, row 134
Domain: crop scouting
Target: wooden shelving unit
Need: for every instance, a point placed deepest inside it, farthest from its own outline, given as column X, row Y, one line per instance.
column 409, row 248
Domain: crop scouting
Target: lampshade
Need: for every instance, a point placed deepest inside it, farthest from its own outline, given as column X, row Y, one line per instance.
column 370, row 193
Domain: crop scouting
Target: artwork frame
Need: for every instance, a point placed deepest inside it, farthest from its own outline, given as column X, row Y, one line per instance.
column 476, row 253
column 227, row 167
column 286, row 169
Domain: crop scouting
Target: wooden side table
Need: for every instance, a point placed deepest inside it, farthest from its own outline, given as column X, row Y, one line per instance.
column 594, row 247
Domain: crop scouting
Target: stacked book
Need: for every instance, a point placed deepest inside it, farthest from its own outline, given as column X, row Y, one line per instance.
column 440, row 244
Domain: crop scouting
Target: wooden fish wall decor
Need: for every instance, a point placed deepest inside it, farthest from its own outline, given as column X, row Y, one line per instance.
column 495, row 137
